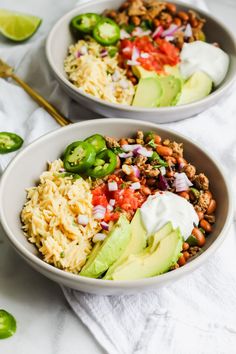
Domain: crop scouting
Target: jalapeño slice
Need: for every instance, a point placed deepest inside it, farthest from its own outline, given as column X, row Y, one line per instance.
column 9, row 142
column 79, row 156
column 104, row 164
column 106, row 32
column 97, row 141
column 84, row 23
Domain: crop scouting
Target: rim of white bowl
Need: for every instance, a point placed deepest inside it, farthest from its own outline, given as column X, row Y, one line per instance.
column 140, row 283
column 179, row 109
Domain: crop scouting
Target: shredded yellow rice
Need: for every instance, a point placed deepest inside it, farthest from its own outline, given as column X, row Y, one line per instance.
column 100, row 77
column 50, row 218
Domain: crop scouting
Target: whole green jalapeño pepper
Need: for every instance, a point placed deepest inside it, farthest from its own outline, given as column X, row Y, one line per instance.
column 79, row 156
column 9, row 142
column 104, row 164
column 97, row 141
column 106, row 32
column 84, row 24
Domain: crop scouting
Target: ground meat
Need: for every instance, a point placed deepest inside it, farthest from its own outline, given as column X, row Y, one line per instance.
column 137, row 8
column 204, row 201
column 149, row 171
column 131, row 141
column 111, row 142
column 193, row 250
column 140, row 135
column 190, row 171
column 176, row 148
column 122, row 18
column 201, row 182
column 154, row 8
column 128, row 161
column 210, row 218
column 140, row 160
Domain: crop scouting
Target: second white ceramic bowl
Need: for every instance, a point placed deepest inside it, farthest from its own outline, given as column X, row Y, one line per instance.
column 60, row 38
column 25, row 169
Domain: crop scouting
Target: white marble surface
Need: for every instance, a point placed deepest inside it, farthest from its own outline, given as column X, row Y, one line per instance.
column 45, row 322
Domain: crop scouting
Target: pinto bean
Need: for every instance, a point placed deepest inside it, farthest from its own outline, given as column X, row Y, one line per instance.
column 157, row 139
column 156, row 22
column 181, row 260
column 186, row 255
column 171, row 7
column 199, row 236
column 135, row 20
column 117, row 162
column 212, row 207
column 184, row 195
column 185, row 246
column 183, row 15
column 200, row 215
column 177, row 21
column 164, row 150
column 206, row 225
column 146, row 190
column 123, row 142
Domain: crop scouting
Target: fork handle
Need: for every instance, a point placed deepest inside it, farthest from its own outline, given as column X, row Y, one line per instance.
column 42, row 102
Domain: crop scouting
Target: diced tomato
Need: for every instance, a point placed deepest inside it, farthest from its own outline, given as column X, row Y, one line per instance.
column 161, row 52
column 100, row 200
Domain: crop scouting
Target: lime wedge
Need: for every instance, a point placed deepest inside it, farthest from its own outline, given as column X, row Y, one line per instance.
column 17, row 26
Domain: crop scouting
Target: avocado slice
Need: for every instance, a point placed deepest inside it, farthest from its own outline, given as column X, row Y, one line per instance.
column 136, row 244
column 148, row 93
column 171, row 88
column 198, row 86
column 173, row 71
column 104, row 255
column 158, row 236
column 142, row 73
column 151, row 264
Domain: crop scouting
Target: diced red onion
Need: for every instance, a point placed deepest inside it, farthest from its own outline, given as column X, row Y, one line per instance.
column 99, row 212
column 136, row 171
column 99, row 237
column 162, row 183
column 110, row 207
column 169, row 38
column 163, row 170
column 144, row 152
column 139, row 32
column 125, row 155
column 181, row 166
column 61, row 170
column 181, row 182
column 124, row 34
column 112, row 186
column 144, row 55
column 112, row 202
column 126, row 50
column 79, row 54
column 129, row 147
column 158, row 32
column 135, row 185
column 133, row 63
column 83, row 219
column 135, row 54
column 103, row 53
column 170, row 31
column 104, row 225
column 188, row 31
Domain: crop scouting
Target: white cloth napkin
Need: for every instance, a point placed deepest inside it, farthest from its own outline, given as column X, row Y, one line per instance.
column 198, row 313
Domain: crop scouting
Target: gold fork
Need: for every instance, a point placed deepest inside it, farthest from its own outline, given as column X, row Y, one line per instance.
column 7, row 71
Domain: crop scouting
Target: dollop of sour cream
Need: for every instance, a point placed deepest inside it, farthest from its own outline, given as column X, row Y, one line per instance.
column 205, row 57
column 163, row 207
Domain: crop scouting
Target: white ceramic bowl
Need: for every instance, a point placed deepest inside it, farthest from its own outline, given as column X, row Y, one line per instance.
column 60, row 38
column 24, row 172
